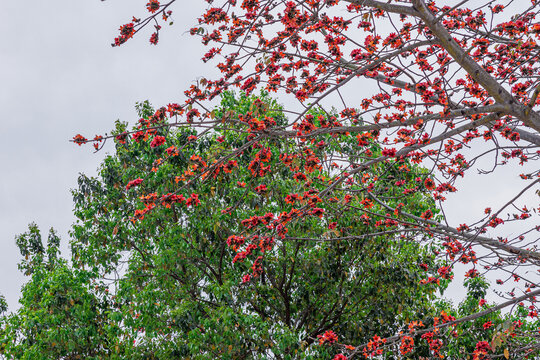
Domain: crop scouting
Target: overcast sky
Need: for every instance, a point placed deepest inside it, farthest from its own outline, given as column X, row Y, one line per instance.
column 59, row 76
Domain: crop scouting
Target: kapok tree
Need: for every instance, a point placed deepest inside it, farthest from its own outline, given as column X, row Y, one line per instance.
column 443, row 85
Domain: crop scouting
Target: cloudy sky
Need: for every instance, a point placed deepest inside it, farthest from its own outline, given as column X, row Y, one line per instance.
column 59, row 76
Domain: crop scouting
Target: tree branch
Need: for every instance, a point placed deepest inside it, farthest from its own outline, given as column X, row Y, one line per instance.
column 481, row 76
column 392, row 8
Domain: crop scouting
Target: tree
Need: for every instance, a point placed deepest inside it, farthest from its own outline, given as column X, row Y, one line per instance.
column 161, row 273
column 60, row 317
column 450, row 87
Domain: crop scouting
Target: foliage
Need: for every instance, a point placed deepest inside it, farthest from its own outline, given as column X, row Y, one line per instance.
column 59, row 317
column 174, row 269
column 325, row 209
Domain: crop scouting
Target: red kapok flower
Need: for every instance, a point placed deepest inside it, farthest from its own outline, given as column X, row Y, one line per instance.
column 154, row 38
column 472, row 273
column 261, row 189
column 134, row 183
column 429, row 184
column 407, row 344
column 481, row 351
column 329, row 337
column 153, row 6
column 127, row 30
column 158, row 141
column 428, row 214
column 79, row 139
column 299, row 177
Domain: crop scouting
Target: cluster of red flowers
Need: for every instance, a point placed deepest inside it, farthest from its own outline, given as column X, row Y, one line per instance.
column 261, row 189
column 445, row 272
column 126, row 32
column 168, row 199
column 407, row 345
column 152, row 6
column 157, row 141
column 428, row 214
column 134, row 183
column 481, row 351
column 257, row 167
column 193, row 200
column 299, row 177
column 374, row 347
column 79, row 139
column 434, row 343
column 154, row 38
column 265, row 244
column 241, row 255
column 256, row 220
column 329, row 337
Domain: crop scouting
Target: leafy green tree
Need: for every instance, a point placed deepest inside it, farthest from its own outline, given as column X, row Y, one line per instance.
column 163, row 264
column 60, row 316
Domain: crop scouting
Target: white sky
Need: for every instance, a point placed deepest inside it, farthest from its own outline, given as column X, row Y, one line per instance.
column 59, row 76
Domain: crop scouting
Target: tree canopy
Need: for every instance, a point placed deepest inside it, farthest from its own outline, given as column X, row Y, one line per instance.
column 236, row 227
column 169, row 275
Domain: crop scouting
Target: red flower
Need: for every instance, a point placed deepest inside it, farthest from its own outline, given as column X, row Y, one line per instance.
column 192, row 114
column 158, row 141
column 482, row 349
column 445, row 272
column 300, row 177
column 193, row 200
column 487, row 325
column 389, row 152
column 329, row 337
column 261, row 189
column 153, row 6
column 340, row 357
column 172, row 151
column 154, row 38
column 317, row 212
column 133, row 183
column 407, row 344
column 79, row 139
column 428, row 214
column 498, row 8
column 472, row 273
column 121, row 138
column 429, row 184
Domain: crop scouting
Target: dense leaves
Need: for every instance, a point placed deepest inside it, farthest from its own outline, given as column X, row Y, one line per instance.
column 189, row 281
column 254, row 231
column 162, row 274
